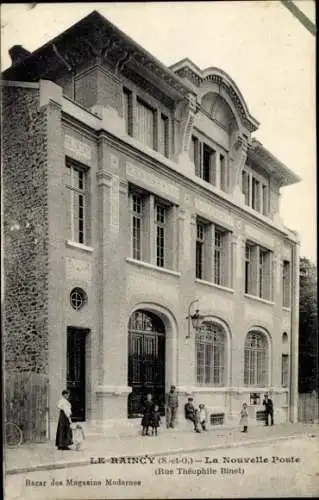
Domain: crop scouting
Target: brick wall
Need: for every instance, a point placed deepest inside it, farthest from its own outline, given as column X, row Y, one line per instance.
column 25, row 231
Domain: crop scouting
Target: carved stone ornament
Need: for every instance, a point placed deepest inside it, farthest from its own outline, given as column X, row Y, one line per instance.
column 185, row 113
column 238, row 157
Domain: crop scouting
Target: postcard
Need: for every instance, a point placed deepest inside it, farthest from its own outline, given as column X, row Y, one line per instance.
column 159, row 250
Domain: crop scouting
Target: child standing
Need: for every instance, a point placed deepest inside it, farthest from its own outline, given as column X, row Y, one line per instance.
column 147, row 415
column 244, row 417
column 202, row 416
column 156, row 420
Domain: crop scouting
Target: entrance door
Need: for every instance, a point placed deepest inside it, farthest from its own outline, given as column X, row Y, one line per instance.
column 146, row 361
column 76, row 344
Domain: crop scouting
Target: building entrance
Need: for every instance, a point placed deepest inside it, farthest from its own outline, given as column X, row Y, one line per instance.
column 146, row 361
column 76, row 376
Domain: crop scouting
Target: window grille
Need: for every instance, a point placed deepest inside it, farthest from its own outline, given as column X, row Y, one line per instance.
column 260, row 416
column 78, row 298
column 210, row 354
column 217, row 418
column 284, row 370
column 286, row 284
column 256, row 360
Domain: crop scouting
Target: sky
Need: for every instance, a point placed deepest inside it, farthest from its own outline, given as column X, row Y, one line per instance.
column 267, row 52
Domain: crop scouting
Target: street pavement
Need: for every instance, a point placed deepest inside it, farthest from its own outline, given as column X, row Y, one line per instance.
column 287, row 468
column 36, row 457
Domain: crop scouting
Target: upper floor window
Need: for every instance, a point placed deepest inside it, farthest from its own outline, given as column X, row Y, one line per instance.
column 212, row 253
column 286, row 283
column 128, row 111
column 284, row 370
column 137, row 223
column 152, row 228
column 210, row 164
column 76, row 185
column 255, row 191
column 145, row 124
column 258, row 271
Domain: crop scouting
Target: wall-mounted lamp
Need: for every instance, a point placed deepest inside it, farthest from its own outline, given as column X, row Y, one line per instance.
column 193, row 319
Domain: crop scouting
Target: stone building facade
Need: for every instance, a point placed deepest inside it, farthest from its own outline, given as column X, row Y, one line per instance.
column 143, row 241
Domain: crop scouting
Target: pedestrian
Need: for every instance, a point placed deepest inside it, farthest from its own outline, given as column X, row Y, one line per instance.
column 148, row 410
column 269, row 410
column 78, row 436
column 171, row 407
column 203, row 417
column 191, row 413
column 64, row 437
column 156, row 420
column 244, row 417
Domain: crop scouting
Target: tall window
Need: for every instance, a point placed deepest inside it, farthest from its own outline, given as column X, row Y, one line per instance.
column 128, row 111
column 258, row 271
column 256, row 360
column 76, row 186
column 200, row 239
column 145, row 124
column 256, row 191
column 210, row 354
column 160, row 222
column 163, row 135
column 212, row 253
column 284, row 370
column 286, row 283
column 137, row 205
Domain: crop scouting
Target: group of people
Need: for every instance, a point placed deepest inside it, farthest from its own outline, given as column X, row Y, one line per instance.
column 151, row 419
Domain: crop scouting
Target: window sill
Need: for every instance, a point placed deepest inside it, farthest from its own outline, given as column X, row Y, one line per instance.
column 209, row 388
column 80, row 246
column 213, row 285
column 259, row 299
column 141, row 263
column 288, row 309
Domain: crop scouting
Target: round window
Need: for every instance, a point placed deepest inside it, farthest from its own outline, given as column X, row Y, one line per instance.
column 78, row 298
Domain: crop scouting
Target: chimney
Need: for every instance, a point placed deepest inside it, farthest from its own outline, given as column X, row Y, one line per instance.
column 18, row 53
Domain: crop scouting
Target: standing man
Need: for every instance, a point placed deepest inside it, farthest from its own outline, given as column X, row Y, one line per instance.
column 269, row 410
column 171, row 407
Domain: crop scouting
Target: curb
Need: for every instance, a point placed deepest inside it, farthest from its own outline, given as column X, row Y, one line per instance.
column 176, row 451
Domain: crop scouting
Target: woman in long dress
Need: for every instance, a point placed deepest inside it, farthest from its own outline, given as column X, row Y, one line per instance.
column 64, row 432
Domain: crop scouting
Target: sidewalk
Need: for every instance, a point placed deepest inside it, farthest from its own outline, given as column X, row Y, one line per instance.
column 44, row 456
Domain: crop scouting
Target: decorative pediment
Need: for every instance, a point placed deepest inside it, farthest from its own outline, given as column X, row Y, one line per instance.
column 199, row 78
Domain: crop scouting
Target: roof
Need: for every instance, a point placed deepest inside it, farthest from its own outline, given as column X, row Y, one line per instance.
column 95, row 36
column 276, row 169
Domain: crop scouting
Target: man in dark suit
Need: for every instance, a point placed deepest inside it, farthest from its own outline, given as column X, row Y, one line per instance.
column 269, row 410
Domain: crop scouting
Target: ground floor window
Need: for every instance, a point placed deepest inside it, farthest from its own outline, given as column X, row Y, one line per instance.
column 256, row 360
column 210, row 354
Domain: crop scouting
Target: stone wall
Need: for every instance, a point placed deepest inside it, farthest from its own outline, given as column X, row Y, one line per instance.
column 25, row 231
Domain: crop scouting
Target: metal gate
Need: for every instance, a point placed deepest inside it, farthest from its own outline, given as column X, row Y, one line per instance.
column 146, row 361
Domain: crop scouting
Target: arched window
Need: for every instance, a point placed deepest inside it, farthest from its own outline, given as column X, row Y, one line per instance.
column 210, row 354
column 256, row 360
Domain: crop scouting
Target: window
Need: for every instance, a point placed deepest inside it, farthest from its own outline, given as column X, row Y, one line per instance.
column 256, row 360
column 160, row 222
column 137, row 206
column 284, row 370
column 200, row 239
column 210, row 354
column 145, row 124
column 286, row 284
column 163, row 135
column 256, row 192
column 258, row 271
column 76, row 186
column 212, row 253
column 78, row 298
column 128, row 111
column 152, row 228
column 210, row 164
